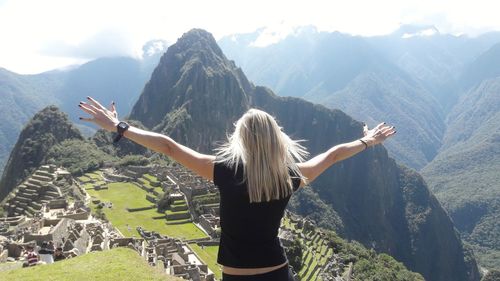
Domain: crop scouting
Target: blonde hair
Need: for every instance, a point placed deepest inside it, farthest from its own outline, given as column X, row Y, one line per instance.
column 268, row 156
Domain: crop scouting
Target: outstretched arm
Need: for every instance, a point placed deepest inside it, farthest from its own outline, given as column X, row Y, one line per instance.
column 107, row 119
column 314, row 167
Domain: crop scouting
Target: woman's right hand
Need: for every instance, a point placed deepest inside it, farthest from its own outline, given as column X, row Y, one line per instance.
column 378, row 134
column 103, row 117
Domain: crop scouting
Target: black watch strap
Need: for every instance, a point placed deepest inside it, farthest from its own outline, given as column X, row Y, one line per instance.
column 120, row 129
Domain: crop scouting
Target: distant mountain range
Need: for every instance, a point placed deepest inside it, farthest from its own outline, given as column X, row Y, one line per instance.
column 196, row 94
column 439, row 90
column 410, row 78
column 120, row 79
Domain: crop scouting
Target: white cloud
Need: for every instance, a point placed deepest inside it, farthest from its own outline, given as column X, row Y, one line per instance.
column 103, row 44
column 70, row 31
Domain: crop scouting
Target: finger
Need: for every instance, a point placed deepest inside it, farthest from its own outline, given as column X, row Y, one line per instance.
column 91, row 107
column 391, row 133
column 113, row 109
column 365, row 129
column 86, row 119
column 85, row 108
column 95, row 103
column 387, row 129
column 379, row 126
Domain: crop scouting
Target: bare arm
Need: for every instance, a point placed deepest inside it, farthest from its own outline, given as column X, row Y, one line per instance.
column 314, row 167
column 199, row 163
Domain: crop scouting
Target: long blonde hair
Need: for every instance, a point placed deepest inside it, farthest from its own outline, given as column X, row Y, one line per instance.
column 268, row 156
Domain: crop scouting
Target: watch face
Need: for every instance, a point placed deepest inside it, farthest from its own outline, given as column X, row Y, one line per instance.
column 122, row 125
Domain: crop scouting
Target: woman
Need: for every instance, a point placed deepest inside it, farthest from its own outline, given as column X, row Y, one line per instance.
column 256, row 171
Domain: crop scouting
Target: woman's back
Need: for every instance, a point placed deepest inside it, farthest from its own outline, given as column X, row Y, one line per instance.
column 249, row 236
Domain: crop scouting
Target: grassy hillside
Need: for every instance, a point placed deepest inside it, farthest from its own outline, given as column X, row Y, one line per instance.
column 116, row 264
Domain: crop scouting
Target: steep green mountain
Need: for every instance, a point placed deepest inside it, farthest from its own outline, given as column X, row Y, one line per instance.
column 353, row 74
column 435, row 60
column 47, row 128
column 120, row 79
column 195, row 94
column 485, row 66
column 21, row 97
column 464, row 176
column 382, row 95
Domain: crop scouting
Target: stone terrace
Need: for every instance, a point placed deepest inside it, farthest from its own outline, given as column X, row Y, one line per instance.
column 44, row 187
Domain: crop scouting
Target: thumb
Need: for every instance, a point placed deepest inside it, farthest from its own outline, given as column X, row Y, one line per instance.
column 113, row 109
column 365, row 129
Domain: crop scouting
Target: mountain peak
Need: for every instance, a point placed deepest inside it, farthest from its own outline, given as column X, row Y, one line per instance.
column 191, row 69
column 197, row 40
column 47, row 128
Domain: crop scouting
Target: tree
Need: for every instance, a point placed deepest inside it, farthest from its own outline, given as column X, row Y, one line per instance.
column 294, row 254
column 492, row 275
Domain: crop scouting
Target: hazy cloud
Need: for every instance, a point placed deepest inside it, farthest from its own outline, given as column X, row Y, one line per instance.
column 107, row 43
column 40, row 35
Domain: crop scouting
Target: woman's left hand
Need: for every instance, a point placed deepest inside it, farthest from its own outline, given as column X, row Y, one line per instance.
column 378, row 134
column 103, row 117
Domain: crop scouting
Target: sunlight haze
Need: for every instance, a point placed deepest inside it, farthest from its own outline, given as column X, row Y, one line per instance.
column 42, row 35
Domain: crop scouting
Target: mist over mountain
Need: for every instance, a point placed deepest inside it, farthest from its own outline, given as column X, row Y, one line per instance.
column 120, row 79
column 195, row 94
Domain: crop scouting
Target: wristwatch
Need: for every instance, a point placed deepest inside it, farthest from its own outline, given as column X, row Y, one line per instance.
column 120, row 129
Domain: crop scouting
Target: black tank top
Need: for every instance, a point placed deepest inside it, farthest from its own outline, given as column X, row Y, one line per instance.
column 249, row 231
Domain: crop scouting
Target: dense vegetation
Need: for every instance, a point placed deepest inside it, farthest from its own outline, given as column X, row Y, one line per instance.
column 79, row 156
column 493, row 275
column 307, row 203
column 464, row 176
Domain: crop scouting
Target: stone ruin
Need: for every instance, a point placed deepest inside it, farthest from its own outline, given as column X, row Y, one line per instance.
column 47, row 187
column 178, row 177
column 210, row 223
column 173, row 256
column 76, row 237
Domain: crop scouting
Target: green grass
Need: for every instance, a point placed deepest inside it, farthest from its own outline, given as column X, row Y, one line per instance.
column 94, row 175
column 179, row 202
column 125, row 195
column 147, row 183
column 150, row 178
column 116, row 264
column 209, row 256
column 83, row 179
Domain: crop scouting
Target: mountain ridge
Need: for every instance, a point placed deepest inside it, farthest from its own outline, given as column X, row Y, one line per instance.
column 186, row 107
column 47, row 128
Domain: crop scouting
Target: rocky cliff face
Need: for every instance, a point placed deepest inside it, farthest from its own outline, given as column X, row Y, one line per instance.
column 195, row 94
column 46, row 129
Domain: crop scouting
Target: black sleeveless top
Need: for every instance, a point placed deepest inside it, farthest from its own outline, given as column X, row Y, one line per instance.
column 249, row 231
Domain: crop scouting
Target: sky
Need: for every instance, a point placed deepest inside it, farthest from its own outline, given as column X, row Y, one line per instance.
column 37, row 36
